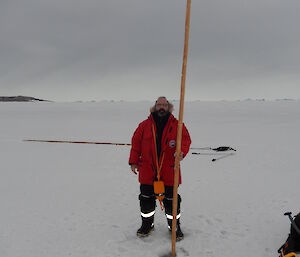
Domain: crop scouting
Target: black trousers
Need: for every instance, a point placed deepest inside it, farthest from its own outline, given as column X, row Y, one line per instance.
column 147, row 201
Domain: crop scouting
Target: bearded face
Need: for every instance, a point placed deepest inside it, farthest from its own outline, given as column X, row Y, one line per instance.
column 162, row 112
column 162, row 107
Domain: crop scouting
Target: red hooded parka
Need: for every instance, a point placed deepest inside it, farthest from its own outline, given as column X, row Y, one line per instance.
column 143, row 152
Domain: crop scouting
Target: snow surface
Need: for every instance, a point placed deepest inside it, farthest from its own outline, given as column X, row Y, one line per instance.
column 60, row 200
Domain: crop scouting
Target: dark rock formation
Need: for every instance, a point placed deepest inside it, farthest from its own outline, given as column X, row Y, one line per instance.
column 19, row 99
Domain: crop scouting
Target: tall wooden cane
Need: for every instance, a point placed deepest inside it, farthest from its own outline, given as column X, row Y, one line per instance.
column 179, row 130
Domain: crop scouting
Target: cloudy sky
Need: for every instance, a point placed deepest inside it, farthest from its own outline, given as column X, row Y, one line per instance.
column 67, row 50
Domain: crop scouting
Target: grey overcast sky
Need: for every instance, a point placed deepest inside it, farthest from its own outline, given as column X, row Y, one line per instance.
column 68, row 50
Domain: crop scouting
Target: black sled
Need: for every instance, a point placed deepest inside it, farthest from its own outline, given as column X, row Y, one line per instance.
column 291, row 248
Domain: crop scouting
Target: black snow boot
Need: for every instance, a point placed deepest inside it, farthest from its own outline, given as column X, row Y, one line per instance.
column 179, row 233
column 146, row 228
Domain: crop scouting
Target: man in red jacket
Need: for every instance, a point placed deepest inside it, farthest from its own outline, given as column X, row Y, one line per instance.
column 152, row 155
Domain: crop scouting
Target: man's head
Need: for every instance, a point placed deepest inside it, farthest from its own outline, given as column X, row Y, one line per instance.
column 162, row 106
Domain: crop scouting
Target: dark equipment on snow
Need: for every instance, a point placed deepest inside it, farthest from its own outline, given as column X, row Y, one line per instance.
column 292, row 244
column 223, row 148
column 294, row 225
column 219, row 151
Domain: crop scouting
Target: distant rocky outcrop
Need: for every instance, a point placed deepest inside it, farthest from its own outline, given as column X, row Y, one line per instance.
column 20, row 99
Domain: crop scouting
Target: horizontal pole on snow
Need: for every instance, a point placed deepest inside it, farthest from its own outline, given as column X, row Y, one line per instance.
column 209, row 154
column 75, row 142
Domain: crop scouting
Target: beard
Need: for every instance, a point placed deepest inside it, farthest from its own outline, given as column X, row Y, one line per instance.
column 162, row 112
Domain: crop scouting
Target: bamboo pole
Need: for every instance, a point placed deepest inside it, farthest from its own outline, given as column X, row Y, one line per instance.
column 179, row 129
column 75, row 142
